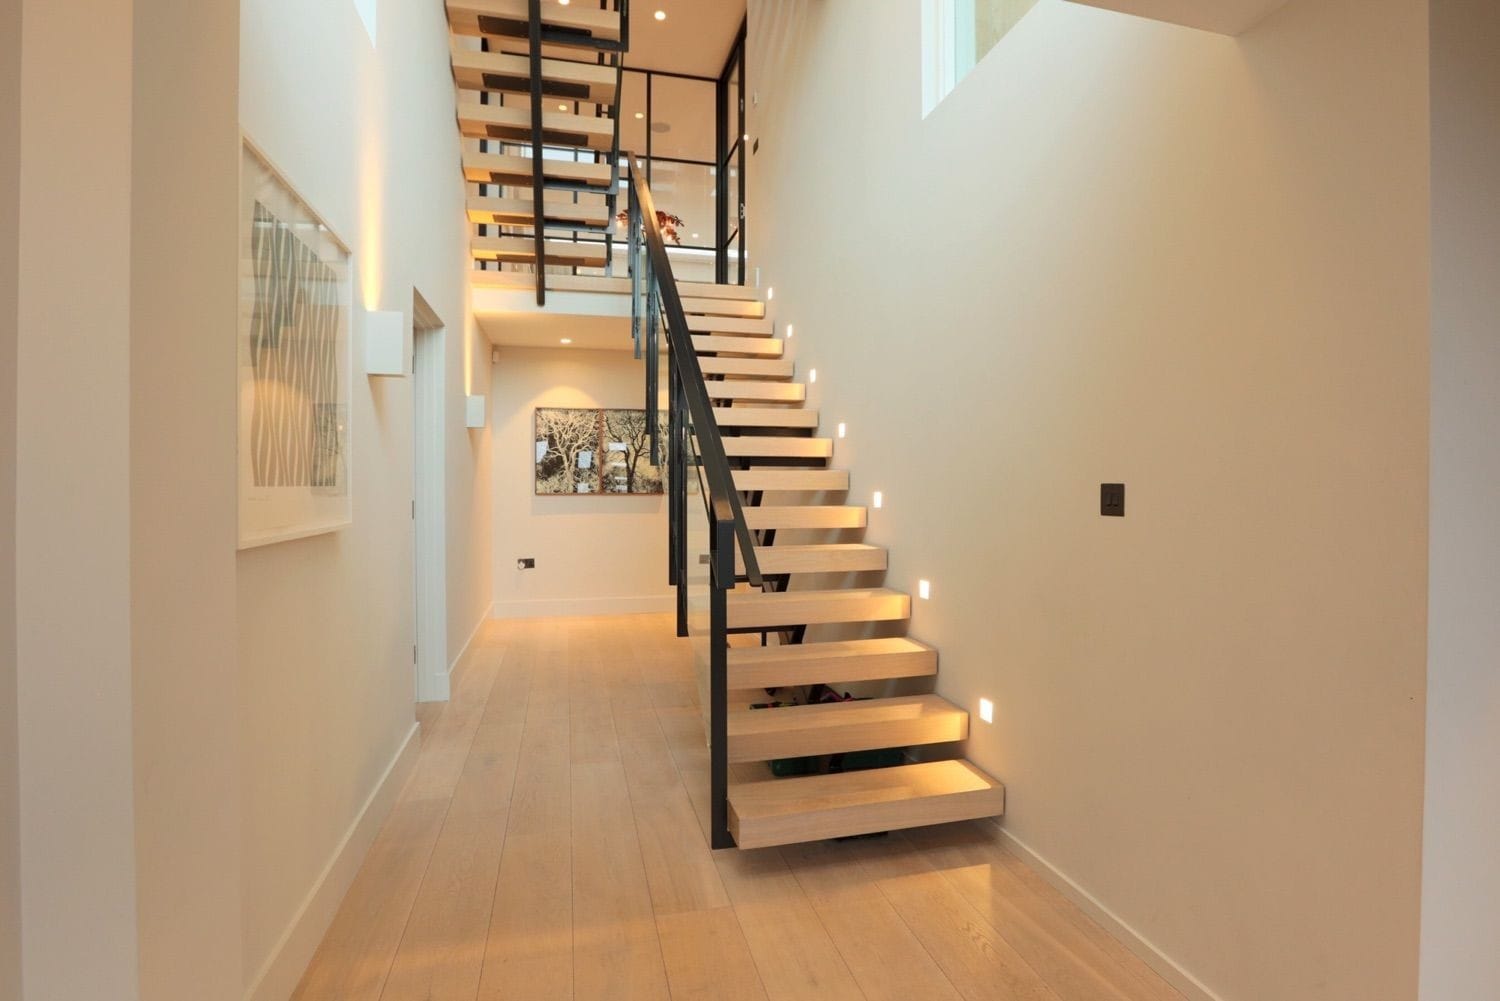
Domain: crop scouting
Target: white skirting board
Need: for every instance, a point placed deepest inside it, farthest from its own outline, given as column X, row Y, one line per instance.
column 279, row 975
column 1191, row 987
column 562, row 607
column 461, row 662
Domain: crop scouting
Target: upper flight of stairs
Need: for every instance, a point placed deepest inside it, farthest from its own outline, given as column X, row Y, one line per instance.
column 783, row 470
column 580, row 82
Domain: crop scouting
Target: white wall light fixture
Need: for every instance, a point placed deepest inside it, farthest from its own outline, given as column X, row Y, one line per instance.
column 386, row 350
column 924, row 589
column 877, row 500
column 987, row 710
column 474, row 411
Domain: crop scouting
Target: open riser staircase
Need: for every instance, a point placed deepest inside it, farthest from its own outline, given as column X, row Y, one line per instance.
column 789, row 488
column 749, row 475
column 538, row 89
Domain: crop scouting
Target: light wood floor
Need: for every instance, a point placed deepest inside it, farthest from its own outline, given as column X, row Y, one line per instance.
column 550, row 844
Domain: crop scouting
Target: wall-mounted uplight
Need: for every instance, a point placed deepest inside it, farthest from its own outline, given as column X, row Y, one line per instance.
column 474, row 411
column 661, row 15
column 640, row 114
column 812, row 375
column 924, row 589
column 770, row 294
column 842, row 429
column 790, row 330
column 878, row 500
column 562, row 107
column 987, row 710
column 385, row 343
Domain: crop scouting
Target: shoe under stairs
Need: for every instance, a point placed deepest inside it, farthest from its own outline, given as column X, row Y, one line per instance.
column 783, row 471
column 579, row 84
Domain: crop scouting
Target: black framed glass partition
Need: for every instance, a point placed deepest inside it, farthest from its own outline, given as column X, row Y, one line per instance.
column 730, row 156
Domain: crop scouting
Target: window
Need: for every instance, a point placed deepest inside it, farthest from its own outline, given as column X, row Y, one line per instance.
column 956, row 34
column 366, row 11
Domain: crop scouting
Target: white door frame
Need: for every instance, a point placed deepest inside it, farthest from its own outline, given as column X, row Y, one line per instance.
column 429, row 508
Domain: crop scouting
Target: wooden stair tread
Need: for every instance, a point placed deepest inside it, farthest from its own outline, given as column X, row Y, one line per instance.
column 804, row 516
column 730, row 325
column 521, row 249
column 504, row 168
column 750, row 309
column 769, row 812
column 508, row 19
column 521, row 211
column 774, row 368
column 834, row 557
column 778, row 446
column 791, row 479
column 764, row 347
column 835, row 727
column 765, row 609
column 709, row 290
column 765, row 417
column 513, row 124
column 748, row 389
column 562, row 79
column 792, row 664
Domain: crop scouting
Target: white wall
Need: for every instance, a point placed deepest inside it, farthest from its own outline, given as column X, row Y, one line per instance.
column 1461, row 871
column 1127, row 251
column 184, row 284
column 73, row 495
column 594, row 555
column 10, row 831
column 366, row 135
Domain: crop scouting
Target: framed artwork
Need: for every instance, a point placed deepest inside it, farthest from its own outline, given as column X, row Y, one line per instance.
column 595, row 452
column 294, row 364
column 567, row 451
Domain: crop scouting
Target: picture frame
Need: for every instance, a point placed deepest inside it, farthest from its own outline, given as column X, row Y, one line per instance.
column 593, row 451
column 294, row 363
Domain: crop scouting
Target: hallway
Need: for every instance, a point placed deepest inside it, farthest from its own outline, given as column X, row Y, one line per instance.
column 550, row 844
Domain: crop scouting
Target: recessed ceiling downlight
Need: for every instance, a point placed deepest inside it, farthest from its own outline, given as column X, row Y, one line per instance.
column 661, row 15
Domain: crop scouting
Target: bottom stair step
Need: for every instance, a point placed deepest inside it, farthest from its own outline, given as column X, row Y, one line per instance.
column 814, row 807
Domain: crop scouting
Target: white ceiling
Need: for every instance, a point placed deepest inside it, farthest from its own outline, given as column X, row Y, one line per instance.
column 547, row 330
column 695, row 38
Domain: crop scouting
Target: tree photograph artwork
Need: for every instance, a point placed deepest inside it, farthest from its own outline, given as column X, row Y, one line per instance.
column 597, row 452
column 627, row 454
column 567, row 451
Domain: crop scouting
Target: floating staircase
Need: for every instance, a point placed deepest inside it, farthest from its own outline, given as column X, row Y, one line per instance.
column 537, row 107
column 784, row 473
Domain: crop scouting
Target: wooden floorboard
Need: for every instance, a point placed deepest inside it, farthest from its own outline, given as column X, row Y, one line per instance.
column 552, row 845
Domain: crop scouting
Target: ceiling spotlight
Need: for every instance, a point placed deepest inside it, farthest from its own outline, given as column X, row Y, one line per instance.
column 695, row 236
column 640, row 114
column 562, row 3
column 567, row 340
column 661, row 15
column 562, row 107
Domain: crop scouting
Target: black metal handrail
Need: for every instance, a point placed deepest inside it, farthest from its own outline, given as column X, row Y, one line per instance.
column 666, row 302
column 655, row 300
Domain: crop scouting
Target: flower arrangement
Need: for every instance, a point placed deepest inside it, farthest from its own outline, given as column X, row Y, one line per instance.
column 669, row 224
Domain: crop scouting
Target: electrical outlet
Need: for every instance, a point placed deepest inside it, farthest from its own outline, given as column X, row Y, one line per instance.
column 526, row 563
column 1112, row 500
